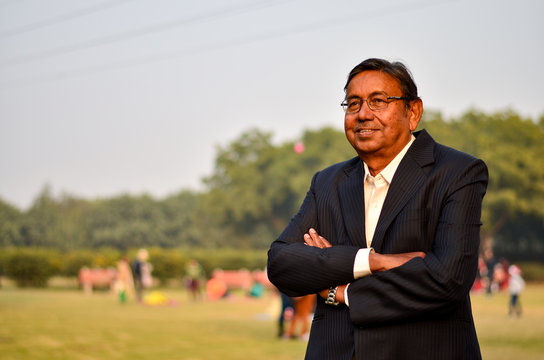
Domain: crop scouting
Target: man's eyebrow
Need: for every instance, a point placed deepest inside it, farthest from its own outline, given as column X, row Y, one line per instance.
column 353, row 97
column 370, row 95
column 378, row 93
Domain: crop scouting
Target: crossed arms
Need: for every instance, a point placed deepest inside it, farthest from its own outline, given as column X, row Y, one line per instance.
column 377, row 262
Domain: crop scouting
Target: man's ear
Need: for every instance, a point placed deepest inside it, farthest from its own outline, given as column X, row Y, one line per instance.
column 414, row 113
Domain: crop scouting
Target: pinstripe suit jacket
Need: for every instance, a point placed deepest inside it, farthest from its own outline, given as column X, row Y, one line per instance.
column 420, row 310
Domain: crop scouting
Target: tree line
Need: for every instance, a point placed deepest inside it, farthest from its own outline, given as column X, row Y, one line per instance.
column 257, row 186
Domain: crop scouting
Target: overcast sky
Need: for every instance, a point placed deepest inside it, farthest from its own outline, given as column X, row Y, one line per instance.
column 99, row 98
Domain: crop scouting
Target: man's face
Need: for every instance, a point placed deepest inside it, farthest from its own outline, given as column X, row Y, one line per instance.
column 380, row 134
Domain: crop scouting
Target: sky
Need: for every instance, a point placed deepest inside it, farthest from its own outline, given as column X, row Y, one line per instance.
column 102, row 98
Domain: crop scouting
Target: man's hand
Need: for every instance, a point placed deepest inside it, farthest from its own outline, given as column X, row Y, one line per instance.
column 383, row 262
column 315, row 240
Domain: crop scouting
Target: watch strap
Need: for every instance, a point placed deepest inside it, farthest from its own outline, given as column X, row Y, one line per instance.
column 331, row 297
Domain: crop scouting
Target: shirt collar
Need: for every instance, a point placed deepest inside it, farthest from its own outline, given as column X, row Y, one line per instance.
column 389, row 171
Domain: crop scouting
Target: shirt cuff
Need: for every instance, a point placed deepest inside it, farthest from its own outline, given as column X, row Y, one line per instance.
column 346, row 301
column 361, row 266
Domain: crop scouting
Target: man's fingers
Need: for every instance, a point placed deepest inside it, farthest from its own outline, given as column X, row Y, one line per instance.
column 415, row 254
column 325, row 242
column 308, row 240
column 319, row 240
column 382, row 262
column 314, row 239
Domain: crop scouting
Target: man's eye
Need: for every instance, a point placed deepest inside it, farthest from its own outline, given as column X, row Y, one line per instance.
column 377, row 101
column 354, row 104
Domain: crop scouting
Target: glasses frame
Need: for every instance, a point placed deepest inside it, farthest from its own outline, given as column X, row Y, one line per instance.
column 389, row 99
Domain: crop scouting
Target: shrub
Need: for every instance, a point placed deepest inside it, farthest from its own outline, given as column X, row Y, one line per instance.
column 106, row 257
column 34, row 266
column 167, row 264
column 230, row 259
column 29, row 267
column 75, row 260
column 532, row 271
column 3, row 258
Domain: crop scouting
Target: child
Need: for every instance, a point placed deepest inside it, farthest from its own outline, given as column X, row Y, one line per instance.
column 515, row 287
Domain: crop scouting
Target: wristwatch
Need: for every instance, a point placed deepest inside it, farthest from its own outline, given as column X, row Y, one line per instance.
column 331, row 298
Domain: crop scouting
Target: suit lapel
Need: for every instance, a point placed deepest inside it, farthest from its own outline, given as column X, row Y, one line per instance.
column 407, row 181
column 351, row 194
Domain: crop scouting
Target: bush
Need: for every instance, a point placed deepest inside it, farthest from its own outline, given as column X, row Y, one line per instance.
column 3, row 258
column 34, row 266
column 106, row 257
column 532, row 271
column 167, row 264
column 75, row 260
column 29, row 267
column 230, row 259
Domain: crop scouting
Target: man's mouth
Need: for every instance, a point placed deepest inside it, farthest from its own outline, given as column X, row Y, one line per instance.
column 365, row 131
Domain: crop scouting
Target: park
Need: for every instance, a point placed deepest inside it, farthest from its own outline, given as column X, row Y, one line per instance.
column 64, row 323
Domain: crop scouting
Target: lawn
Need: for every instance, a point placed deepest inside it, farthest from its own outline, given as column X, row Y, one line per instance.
column 67, row 324
column 503, row 338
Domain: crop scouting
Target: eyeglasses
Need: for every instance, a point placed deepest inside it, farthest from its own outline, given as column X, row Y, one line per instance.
column 375, row 102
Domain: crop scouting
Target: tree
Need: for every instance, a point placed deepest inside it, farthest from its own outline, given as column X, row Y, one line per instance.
column 181, row 216
column 125, row 221
column 512, row 148
column 58, row 223
column 10, row 219
column 257, row 187
column 39, row 223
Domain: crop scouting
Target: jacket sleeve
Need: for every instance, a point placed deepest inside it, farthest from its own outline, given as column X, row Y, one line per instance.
column 297, row 269
column 442, row 280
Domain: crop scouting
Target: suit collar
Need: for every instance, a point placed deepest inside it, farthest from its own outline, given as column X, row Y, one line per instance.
column 409, row 178
column 422, row 150
column 352, row 204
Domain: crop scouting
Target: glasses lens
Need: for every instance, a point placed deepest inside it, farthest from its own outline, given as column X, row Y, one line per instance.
column 377, row 102
column 352, row 105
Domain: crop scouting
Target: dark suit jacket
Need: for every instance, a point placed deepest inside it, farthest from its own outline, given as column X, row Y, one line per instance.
column 420, row 310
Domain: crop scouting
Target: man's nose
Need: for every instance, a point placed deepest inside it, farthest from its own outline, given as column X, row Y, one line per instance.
column 365, row 113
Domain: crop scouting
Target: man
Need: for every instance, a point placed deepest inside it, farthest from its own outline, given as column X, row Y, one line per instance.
column 142, row 273
column 389, row 240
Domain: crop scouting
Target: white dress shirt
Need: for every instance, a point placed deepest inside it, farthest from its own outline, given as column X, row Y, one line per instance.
column 376, row 188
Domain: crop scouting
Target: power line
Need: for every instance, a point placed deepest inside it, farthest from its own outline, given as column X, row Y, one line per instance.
column 317, row 25
column 136, row 33
column 60, row 18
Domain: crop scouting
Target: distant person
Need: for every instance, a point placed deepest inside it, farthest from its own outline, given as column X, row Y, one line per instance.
column 256, row 290
column 142, row 273
column 124, row 283
column 304, row 307
column 490, row 263
column 500, row 276
column 286, row 313
column 194, row 276
column 516, row 284
column 505, row 265
column 389, row 239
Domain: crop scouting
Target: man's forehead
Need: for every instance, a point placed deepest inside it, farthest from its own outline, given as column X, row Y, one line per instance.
column 372, row 81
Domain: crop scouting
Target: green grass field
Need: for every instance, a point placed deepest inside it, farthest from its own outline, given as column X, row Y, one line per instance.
column 67, row 324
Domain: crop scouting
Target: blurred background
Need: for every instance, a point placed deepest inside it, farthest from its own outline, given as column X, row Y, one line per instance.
column 192, row 129
column 103, row 97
